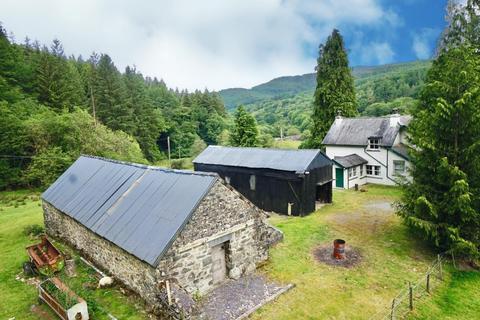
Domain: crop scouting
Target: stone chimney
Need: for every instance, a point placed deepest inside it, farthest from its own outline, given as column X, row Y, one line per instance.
column 339, row 118
column 394, row 118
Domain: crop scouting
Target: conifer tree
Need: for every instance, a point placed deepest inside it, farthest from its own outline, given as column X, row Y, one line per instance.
column 463, row 25
column 244, row 132
column 335, row 92
column 110, row 94
column 443, row 200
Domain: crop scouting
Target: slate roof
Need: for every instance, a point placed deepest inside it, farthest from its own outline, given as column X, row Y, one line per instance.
column 262, row 158
column 356, row 131
column 349, row 161
column 139, row 208
column 401, row 150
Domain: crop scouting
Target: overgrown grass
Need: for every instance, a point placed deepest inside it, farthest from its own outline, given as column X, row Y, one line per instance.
column 458, row 298
column 17, row 297
column 286, row 144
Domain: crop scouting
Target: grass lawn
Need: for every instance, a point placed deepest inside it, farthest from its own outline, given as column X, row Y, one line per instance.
column 17, row 297
column 391, row 257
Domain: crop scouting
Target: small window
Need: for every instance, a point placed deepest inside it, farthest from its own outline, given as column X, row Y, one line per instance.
column 398, row 167
column 352, row 172
column 373, row 143
column 361, row 170
column 252, row 182
column 227, row 180
column 373, row 170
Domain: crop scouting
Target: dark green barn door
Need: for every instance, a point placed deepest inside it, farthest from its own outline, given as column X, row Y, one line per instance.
column 339, row 177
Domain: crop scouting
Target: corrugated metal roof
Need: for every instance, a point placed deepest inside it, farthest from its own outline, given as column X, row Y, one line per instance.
column 139, row 208
column 356, row 131
column 261, row 158
column 350, row 161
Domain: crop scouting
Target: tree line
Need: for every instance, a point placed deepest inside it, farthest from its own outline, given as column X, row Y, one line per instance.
column 54, row 108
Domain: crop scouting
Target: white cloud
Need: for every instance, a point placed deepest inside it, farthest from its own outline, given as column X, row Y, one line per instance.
column 422, row 41
column 377, row 53
column 197, row 44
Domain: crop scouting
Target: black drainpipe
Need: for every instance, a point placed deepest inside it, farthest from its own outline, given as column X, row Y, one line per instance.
column 386, row 166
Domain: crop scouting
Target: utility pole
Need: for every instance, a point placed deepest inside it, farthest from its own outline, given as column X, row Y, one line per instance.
column 169, row 158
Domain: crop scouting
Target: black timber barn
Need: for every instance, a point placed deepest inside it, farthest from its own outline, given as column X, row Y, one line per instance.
column 279, row 180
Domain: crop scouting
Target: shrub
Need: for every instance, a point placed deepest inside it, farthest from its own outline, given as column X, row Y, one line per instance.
column 33, row 230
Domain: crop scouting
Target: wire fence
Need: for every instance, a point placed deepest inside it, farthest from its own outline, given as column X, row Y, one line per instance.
column 415, row 292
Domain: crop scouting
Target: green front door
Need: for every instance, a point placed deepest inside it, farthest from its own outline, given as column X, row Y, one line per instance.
column 339, row 177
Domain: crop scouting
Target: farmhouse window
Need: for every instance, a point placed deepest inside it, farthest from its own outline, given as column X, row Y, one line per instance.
column 352, row 172
column 399, row 167
column 361, row 170
column 373, row 143
column 373, row 170
column 252, row 182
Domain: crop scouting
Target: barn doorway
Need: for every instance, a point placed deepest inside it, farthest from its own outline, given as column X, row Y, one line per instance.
column 323, row 192
column 219, row 262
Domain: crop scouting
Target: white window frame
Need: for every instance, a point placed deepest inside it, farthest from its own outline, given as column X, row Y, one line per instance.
column 395, row 170
column 373, row 170
column 352, row 172
column 253, row 182
column 374, row 143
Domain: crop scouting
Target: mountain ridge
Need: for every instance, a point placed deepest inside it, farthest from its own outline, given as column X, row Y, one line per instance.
column 288, row 86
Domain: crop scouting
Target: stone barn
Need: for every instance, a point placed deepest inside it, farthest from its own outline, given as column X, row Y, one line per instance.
column 279, row 180
column 165, row 234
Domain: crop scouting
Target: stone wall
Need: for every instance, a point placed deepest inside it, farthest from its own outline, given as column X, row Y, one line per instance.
column 223, row 215
column 132, row 272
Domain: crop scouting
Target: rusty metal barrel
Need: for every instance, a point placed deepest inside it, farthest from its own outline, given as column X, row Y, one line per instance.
column 339, row 249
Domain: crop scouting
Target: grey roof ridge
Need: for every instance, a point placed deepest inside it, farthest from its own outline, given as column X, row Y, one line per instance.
column 263, row 148
column 274, row 149
column 155, row 168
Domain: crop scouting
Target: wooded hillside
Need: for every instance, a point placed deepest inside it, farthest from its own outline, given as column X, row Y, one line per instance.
column 54, row 108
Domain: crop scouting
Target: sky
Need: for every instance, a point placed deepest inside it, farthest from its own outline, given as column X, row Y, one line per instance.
column 219, row 44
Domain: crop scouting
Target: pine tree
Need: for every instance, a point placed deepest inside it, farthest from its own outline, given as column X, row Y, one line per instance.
column 109, row 93
column 463, row 25
column 335, row 92
column 245, row 132
column 443, row 200
column 148, row 121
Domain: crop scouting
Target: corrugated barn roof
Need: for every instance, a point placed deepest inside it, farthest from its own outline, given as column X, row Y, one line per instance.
column 139, row 208
column 356, row 131
column 260, row 158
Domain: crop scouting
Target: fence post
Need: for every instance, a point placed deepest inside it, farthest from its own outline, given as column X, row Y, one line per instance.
column 393, row 309
column 428, row 282
column 440, row 267
column 410, row 291
column 453, row 259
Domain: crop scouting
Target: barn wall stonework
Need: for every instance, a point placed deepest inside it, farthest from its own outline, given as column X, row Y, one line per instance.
column 132, row 272
column 223, row 216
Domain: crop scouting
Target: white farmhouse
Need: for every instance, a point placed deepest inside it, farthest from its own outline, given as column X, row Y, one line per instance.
column 368, row 150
